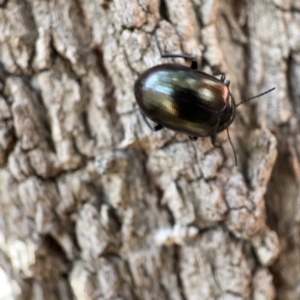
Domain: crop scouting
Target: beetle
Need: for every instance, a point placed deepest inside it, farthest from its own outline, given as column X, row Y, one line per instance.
column 186, row 100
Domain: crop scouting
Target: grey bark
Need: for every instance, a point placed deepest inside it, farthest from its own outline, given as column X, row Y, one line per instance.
column 95, row 206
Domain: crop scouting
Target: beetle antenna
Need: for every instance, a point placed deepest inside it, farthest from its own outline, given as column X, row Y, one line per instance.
column 234, row 153
column 259, row 95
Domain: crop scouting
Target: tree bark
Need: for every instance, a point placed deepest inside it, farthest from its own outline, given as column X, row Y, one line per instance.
column 95, row 206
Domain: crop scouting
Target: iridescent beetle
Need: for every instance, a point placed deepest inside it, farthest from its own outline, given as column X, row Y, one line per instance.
column 186, row 100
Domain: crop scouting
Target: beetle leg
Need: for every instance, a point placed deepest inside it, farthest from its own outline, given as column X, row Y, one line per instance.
column 194, row 65
column 213, row 140
column 222, row 79
column 193, row 138
column 155, row 128
column 223, row 76
column 171, row 55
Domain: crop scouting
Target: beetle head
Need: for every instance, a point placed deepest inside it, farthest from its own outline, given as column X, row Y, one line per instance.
column 228, row 116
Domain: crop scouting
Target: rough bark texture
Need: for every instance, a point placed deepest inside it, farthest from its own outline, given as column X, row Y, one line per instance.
column 95, row 206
